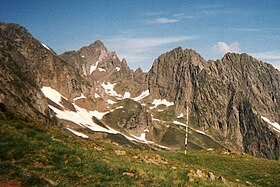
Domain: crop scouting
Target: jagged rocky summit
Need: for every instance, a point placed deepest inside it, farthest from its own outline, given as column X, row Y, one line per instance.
column 234, row 102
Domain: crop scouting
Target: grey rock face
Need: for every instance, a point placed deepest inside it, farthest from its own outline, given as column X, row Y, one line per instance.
column 226, row 97
column 26, row 66
column 214, row 91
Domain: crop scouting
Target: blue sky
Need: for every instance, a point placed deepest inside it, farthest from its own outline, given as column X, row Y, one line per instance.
column 141, row 30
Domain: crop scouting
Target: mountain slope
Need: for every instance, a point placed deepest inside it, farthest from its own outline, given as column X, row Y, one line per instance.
column 234, row 102
column 33, row 154
column 216, row 92
column 27, row 65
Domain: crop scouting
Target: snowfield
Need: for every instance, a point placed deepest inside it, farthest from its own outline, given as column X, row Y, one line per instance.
column 275, row 125
column 181, row 115
column 77, row 133
column 96, row 95
column 83, row 117
column 53, row 95
column 141, row 96
column 93, row 67
column 179, row 123
column 158, row 102
column 109, row 89
column 81, row 97
column 101, row 69
column 126, row 95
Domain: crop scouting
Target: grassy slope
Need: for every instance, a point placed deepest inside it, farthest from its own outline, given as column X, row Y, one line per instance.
column 37, row 154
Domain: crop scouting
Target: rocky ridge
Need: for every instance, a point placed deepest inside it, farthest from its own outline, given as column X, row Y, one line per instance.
column 91, row 89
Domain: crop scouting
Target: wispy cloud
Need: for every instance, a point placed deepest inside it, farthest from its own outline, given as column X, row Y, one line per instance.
column 246, row 29
column 272, row 55
column 145, row 49
column 154, row 13
column 222, row 47
column 166, row 17
column 182, row 16
column 163, row 21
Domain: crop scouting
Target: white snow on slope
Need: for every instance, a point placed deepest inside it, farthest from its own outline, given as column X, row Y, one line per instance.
column 183, row 124
column 179, row 123
column 110, row 102
column 45, row 46
column 80, row 97
column 141, row 96
column 142, row 137
column 158, row 102
column 201, row 132
column 93, row 67
column 118, row 69
column 96, row 95
column 154, row 119
column 181, row 115
column 101, row 69
column 109, row 89
column 126, row 95
column 77, row 133
column 52, row 94
column 275, row 125
column 83, row 56
column 83, row 118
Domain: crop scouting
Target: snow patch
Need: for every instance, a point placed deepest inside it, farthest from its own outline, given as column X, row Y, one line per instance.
column 52, row 94
column 154, row 119
column 142, row 137
column 118, row 69
column 179, row 123
column 81, row 117
column 77, row 133
column 126, row 95
column 96, row 95
column 158, row 102
column 110, row 102
column 141, row 96
column 181, row 115
column 93, row 67
column 83, row 56
column 45, row 46
column 119, row 107
column 109, row 89
column 201, row 132
column 81, row 97
column 101, row 69
column 275, row 125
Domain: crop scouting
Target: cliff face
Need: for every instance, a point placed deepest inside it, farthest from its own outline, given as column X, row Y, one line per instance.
column 215, row 91
column 26, row 66
column 231, row 100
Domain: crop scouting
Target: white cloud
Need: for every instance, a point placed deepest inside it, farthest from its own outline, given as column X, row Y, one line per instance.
column 272, row 55
column 163, row 21
column 182, row 16
column 140, row 50
column 222, row 47
column 154, row 13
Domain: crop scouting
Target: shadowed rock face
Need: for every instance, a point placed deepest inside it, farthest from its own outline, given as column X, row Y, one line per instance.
column 215, row 91
column 26, row 66
column 226, row 97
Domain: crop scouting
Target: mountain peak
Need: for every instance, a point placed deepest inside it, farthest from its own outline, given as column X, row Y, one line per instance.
column 98, row 44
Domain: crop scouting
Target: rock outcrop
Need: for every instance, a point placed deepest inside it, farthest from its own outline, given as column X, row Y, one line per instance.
column 215, row 90
column 231, row 100
column 26, row 66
